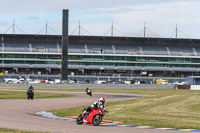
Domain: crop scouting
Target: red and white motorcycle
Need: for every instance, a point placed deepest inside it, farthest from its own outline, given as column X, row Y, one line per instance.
column 94, row 117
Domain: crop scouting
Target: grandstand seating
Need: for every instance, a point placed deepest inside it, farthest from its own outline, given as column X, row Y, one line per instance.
column 102, row 49
column 44, row 47
column 127, row 49
column 76, row 48
column 141, row 56
column 197, row 50
column 154, row 50
column 181, row 51
column 0, row 46
column 16, row 47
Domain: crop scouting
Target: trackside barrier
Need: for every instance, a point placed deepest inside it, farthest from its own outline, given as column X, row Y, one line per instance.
column 92, row 86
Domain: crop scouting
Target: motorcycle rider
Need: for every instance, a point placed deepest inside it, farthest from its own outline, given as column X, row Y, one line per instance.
column 88, row 91
column 30, row 90
column 95, row 105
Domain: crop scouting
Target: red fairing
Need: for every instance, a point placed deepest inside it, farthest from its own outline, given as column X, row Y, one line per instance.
column 94, row 117
column 94, row 112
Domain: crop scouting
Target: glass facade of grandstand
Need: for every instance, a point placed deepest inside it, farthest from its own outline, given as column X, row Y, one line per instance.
column 105, row 56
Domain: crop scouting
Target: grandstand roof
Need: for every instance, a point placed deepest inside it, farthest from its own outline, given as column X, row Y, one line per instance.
column 100, row 40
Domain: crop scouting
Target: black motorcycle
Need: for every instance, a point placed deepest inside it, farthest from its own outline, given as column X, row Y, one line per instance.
column 30, row 94
column 88, row 91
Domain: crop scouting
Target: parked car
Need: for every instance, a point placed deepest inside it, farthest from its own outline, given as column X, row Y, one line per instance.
column 57, row 81
column 179, row 83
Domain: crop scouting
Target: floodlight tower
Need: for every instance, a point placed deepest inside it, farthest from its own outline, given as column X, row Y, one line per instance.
column 65, row 43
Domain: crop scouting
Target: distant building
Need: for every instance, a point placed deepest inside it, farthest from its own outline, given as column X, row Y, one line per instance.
column 192, row 80
column 100, row 55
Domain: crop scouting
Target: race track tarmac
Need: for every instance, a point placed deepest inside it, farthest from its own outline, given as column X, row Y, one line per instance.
column 20, row 114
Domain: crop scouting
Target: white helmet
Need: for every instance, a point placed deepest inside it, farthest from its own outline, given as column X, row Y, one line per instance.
column 102, row 100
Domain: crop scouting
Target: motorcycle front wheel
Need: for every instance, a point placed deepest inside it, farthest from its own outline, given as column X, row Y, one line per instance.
column 97, row 120
column 79, row 119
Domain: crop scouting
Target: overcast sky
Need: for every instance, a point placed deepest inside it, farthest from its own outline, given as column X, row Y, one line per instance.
column 96, row 17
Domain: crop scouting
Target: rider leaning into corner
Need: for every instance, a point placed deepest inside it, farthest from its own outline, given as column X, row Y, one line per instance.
column 95, row 105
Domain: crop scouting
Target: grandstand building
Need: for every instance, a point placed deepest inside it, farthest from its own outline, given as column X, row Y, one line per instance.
column 100, row 55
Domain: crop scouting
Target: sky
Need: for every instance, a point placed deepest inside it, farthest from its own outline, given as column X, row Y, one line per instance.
column 128, row 17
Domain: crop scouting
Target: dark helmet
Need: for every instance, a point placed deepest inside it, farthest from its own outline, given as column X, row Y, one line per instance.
column 102, row 100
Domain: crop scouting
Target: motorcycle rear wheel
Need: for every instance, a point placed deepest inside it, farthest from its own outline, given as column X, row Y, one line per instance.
column 32, row 96
column 97, row 120
column 28, row 97
column 79, row 119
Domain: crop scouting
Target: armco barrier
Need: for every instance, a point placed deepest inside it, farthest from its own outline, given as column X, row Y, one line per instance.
column 91, row 86
column 183, row 86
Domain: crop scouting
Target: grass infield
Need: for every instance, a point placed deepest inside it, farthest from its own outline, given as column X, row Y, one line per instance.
column 169, row 108
column 23, row 95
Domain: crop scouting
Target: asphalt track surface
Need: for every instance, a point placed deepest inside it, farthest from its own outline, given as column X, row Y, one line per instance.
column 20, row 114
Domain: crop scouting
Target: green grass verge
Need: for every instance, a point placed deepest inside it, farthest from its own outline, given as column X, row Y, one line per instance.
column 169, row 108
column 49, row 89
column 23, row 95
column 5, row 130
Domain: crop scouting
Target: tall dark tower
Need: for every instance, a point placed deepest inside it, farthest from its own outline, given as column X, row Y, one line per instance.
column 65, row 43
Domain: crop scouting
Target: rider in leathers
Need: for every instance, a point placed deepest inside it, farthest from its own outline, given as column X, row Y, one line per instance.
column 30, row 90
column 95, row 105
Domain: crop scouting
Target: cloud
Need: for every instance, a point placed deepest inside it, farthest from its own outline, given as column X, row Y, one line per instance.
column 38, row 6
column 32, row 18
column 160, row 18
column 4, row 23
column 128, row 16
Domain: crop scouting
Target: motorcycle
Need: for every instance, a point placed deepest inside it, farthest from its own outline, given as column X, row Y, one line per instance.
column 89, row 92
column 94, row 117
column 30, row 94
